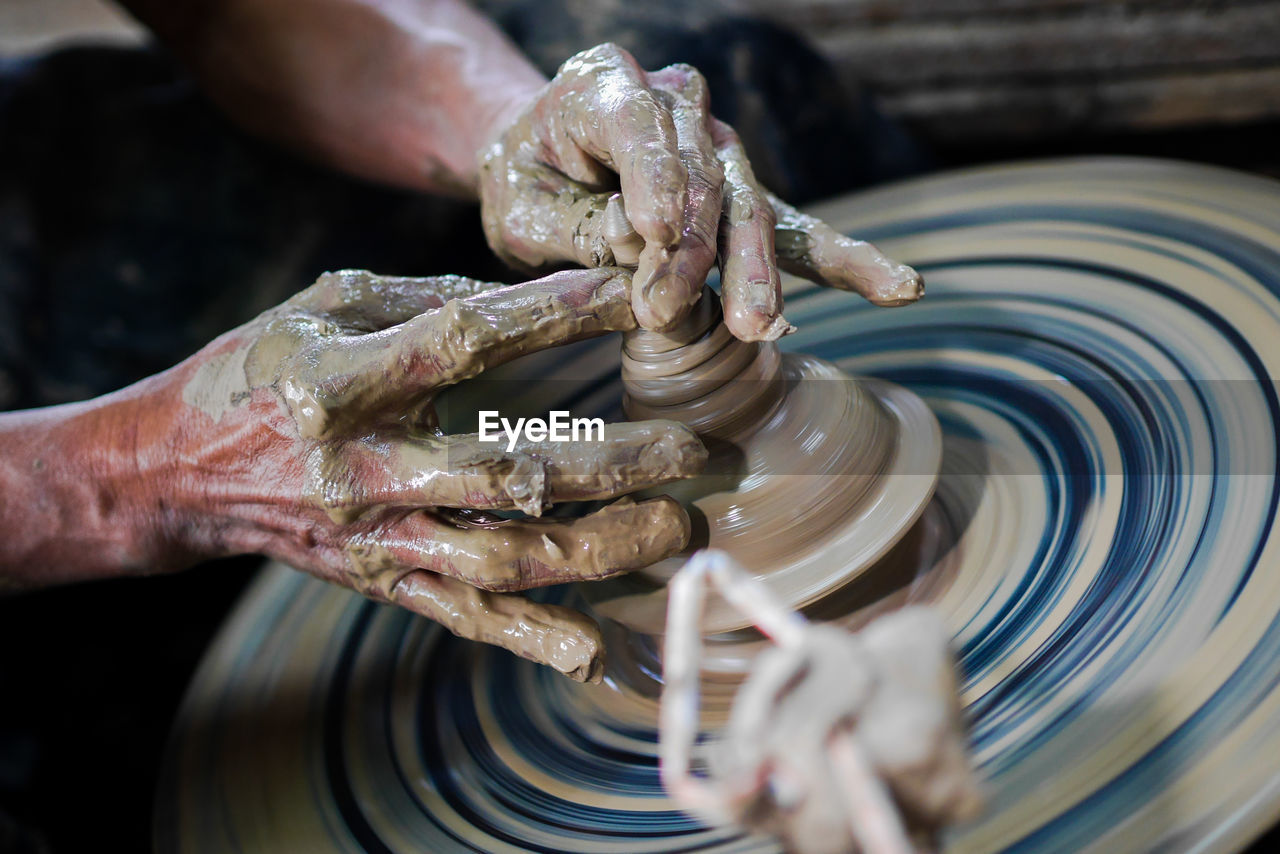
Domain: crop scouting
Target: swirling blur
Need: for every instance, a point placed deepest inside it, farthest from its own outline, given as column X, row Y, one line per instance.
column 1100, row 341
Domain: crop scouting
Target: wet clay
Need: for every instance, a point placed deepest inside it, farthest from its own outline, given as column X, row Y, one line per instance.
column 812, row 475
column 322, row 412
column 548, row 187
column 561, row 638
column 809, row 247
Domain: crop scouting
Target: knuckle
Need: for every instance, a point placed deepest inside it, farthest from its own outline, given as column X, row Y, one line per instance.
column 312, row 404
column 501, row 573
column 688, row 81
column 328, row 482
column 662, row 166
column 612, row 51
column 452, row 284
column 594, row 60
column 464, row 330
column 695, row 86
column 322, row 291
column 640, row 106
column 660, row 160
column 341, row 289
column 604, row 49
column 710, row 172
column 745, row 206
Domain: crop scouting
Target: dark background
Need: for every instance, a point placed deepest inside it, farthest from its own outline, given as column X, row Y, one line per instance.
column 135, row 225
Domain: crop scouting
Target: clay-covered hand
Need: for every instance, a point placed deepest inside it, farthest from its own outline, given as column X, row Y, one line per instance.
column 309, row 434
column 549, row 192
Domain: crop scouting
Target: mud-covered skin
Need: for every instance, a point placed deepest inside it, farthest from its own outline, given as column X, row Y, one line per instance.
column 809, row 247
column 308, row 434
column 549, row 196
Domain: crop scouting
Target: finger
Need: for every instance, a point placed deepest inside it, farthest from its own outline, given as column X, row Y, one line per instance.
column 466, row 336
column 559, row 637
column 366, row 301
column 613, row 117
column 810, row 248
column 750, row 289
column 624, row 241
column 392, row 370
column 669, row 281
column 468, row 472
column 506, row 555
column 549, row 218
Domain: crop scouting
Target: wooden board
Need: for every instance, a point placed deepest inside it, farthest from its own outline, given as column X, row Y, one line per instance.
column 977, row 69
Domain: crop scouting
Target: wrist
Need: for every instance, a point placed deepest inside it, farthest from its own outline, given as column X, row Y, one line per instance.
column 477, row 116
column 75, row 503
column 505, row 111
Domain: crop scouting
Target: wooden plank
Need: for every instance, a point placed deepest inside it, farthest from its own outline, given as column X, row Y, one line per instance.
column 804, row 14
column 895, row 58
column 991, row 68
column 987, row 112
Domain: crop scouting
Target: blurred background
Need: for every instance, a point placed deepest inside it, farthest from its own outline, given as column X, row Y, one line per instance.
column 136, row 225
column 1201, row 77
column 28, row 26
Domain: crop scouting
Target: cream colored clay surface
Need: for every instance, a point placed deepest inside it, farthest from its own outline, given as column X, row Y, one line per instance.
column 1117, row 633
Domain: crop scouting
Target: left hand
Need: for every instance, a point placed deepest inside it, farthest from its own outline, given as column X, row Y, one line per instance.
column 549, row 183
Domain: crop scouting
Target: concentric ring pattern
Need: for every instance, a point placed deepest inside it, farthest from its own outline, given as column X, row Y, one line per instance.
column 1099, row 341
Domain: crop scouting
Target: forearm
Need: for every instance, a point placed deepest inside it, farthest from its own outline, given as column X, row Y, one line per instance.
column 74, row 501
column 400, row 91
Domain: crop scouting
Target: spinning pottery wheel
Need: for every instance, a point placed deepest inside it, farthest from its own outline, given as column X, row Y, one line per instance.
column 1098, row 343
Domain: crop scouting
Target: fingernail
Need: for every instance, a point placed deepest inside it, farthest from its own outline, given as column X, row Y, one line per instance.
column 906, row 286
column 911, row 280
column 758, row 323
column 667, row 300
column 778, row 327
column 575, row 655
column 761, row 295
column 919, row 284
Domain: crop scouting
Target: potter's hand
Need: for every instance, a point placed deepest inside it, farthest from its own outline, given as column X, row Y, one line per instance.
column 329, row 400
column 309, row 435
column 687, row 194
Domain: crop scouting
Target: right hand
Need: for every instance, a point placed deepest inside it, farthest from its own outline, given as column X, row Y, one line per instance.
column 611, row 164
column 308, row 434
